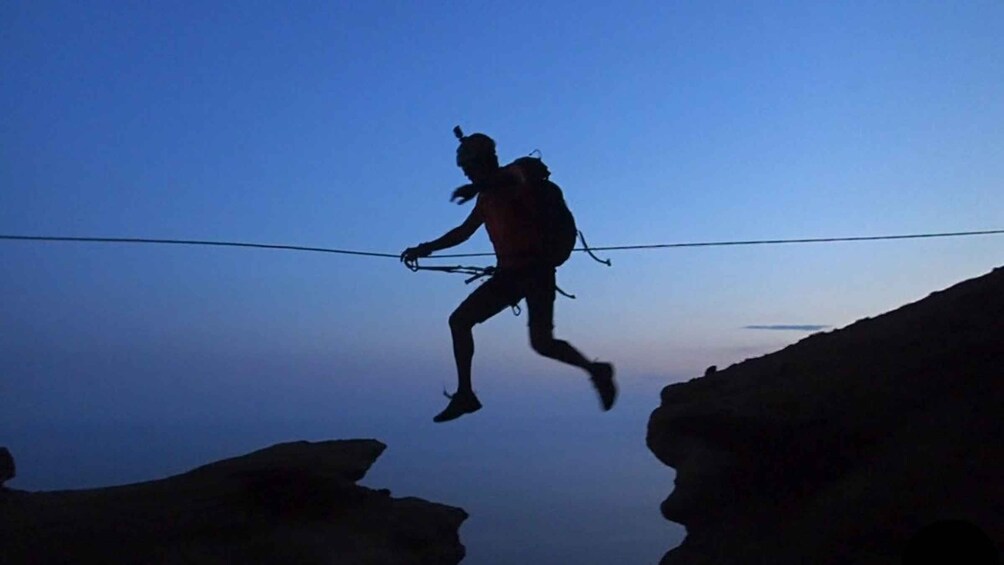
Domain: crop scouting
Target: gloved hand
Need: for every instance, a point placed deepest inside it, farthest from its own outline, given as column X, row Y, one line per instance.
column 465, row 193
column 411, row 255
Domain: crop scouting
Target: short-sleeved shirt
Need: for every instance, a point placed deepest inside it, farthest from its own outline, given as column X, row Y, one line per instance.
column 511, row 217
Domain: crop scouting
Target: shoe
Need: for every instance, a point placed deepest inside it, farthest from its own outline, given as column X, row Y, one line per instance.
column 602, row 377
column 460, row 403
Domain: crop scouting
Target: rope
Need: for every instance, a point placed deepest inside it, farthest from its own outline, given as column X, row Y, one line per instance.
column 589, row 250
column 464, row 255
column 754, row 242
column 197, row 242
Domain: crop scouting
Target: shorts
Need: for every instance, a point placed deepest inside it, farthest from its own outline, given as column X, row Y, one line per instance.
column 507, row 288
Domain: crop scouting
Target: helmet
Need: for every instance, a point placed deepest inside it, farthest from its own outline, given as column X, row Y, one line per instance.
column 474, row 147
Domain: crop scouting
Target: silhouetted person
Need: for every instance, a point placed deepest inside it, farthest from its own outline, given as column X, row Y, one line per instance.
column 509, row 209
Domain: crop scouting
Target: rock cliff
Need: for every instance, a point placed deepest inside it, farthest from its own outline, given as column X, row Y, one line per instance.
column 289, row 503
column 841, row 447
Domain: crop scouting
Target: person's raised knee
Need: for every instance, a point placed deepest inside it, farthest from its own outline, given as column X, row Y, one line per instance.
column 459, row 322
column 542, row 342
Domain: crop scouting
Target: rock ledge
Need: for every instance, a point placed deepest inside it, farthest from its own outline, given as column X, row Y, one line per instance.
column 289, row 503
column 841, row 447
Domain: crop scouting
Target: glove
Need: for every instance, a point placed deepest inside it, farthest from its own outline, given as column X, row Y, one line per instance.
column 411, row 255
column 465, row 193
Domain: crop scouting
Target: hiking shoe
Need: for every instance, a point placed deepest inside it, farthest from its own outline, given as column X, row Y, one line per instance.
column 460, row 403
column 602, row 377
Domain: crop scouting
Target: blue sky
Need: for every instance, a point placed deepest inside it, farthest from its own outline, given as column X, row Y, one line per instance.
column 328, row 124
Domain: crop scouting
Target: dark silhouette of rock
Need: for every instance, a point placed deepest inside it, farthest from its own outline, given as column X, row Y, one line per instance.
column 845, row 445
column 946, row 540
column 7, row 469
column 289, row 503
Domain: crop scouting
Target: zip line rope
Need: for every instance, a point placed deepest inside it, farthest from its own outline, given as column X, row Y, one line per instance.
column 759, row 242
column 196, row 242
column 466, row 255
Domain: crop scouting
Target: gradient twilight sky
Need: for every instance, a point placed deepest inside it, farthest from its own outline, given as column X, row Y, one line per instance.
column 328, row 124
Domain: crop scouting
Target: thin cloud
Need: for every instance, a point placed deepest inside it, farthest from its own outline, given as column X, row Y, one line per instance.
column 789, row 327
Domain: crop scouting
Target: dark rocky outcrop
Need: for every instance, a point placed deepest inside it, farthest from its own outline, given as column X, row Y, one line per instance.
column 7, row 470
column 840, row 448
column 289, row 503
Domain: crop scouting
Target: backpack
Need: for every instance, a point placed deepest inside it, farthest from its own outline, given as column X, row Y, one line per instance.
column 559, row 231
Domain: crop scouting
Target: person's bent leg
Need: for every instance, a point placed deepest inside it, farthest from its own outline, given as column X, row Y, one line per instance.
column 540, row 303
column 489, row 299
column 601, row 374
column 542, row 341
column 461, row 329
column 538, row 286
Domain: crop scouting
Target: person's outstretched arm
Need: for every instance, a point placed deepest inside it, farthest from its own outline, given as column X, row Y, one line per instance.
column 454, row 237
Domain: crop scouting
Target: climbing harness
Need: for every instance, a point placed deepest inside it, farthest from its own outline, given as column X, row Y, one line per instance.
column 477, row 273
